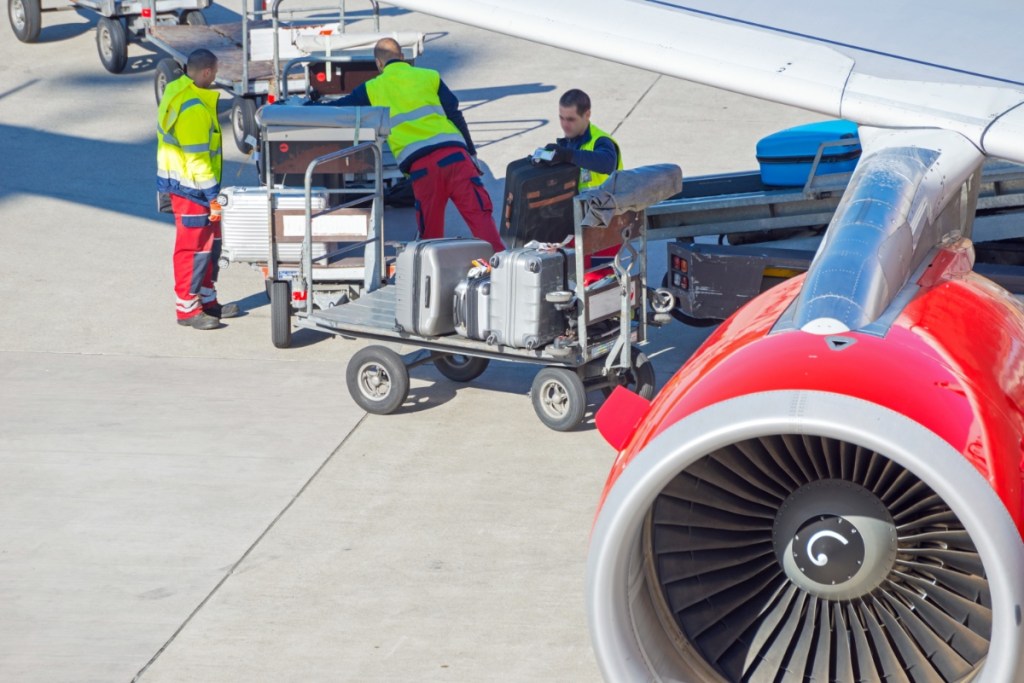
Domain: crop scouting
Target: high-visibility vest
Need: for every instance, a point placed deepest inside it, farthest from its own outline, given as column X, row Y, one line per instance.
column 589, row 179
column 417, row 117
column 188, row 142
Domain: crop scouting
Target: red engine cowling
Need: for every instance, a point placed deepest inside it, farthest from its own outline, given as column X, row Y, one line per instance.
column 823, row 507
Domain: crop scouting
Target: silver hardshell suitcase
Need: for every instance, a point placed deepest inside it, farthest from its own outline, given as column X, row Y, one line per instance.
column 520, row 316
column 472, row 306
column 244, row 234
column 426, row 274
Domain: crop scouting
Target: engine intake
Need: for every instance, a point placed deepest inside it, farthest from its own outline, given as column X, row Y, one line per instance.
column 805, row 536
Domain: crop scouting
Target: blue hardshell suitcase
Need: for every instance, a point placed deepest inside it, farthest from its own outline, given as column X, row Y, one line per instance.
column 786, row 157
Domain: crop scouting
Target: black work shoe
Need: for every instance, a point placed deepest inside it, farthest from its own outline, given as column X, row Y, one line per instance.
column 222, row 311
column 200, row 322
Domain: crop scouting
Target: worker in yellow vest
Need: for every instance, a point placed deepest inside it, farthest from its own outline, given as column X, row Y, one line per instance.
column 188, row 168
column 430, row 139
column 585, row 145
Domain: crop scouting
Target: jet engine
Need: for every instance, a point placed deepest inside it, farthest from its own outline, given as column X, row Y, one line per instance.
column 830, row 490
column 832, row 507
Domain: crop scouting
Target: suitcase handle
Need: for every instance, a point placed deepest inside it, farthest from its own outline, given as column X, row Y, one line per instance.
column 426, row 292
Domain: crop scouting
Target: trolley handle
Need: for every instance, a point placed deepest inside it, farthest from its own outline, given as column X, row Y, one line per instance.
column 378, row 198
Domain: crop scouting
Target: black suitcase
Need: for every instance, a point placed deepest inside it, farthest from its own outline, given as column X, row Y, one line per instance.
column 538, row 202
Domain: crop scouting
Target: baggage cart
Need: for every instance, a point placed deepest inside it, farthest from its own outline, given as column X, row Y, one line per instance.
column 606, row 323
column 344, row 218
column 249, row 55
column 120, row 21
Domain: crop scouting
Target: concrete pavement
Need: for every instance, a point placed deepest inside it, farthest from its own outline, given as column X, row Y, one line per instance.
column 200, row 506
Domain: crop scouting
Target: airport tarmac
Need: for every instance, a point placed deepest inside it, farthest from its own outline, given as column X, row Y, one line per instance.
column 201, row 506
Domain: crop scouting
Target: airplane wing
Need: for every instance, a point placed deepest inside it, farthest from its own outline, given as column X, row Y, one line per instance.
column 892, row 64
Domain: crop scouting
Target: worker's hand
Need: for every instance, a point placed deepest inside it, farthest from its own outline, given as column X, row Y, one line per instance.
column 215, row 211
column 563, row 155
column 476, row 162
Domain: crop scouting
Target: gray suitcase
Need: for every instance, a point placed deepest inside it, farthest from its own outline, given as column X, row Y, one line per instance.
column 244, row 234
column 472, row 307
column 520, row 279
column 426, row 274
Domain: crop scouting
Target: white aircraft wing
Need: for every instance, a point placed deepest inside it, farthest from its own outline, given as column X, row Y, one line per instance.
column 890, row 64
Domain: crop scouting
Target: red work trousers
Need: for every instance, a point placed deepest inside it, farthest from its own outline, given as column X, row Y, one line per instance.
column 196, row 253
column 449, row 173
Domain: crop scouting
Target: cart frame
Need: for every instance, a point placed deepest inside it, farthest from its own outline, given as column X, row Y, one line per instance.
column 377, row 376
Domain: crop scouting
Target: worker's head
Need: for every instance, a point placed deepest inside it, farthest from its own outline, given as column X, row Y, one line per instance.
column 386, row 50
column 574, row 112
column 202, row 67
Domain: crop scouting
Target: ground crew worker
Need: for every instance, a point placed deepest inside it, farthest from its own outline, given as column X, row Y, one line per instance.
column 430, row 139
column 587, row 146
column 188, row 160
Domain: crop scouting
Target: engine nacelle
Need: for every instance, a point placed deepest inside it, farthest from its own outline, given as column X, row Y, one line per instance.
column 822, row 507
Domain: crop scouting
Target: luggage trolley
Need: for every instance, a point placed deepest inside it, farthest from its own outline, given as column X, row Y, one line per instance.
column 323, row 253
column 605, row 322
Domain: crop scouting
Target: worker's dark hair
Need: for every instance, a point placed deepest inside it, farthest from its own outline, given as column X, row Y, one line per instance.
column 200, row 59
column 386, row 50
column 575, row 98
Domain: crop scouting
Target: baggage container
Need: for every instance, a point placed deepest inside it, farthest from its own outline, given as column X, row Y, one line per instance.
column 426, row 274
column 786, row 157
column 245, row 236
column 520, row 315
column 537, row 202
column 471, row 307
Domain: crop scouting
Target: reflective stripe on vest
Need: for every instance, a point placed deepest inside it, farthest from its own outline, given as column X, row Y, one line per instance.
column 417, row 117
column 589, row 179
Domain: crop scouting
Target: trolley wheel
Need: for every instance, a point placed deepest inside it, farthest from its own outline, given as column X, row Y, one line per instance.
column 281, row 314
column 192, row 17
column 460, row 368
column 639, row 378
column 378, row 380
column 559, row 398
column 26, row 19
column 243, row 122
column 112, row 44
column 167, row 70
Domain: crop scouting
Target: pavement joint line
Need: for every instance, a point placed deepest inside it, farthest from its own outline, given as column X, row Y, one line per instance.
column 636, row 104
column 227, row 359
column 248, row 551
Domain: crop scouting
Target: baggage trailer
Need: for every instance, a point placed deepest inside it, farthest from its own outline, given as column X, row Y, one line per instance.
column 605, row 324
column 766, row 234
column 120, row 21
column 249, row 54
column 606, row 327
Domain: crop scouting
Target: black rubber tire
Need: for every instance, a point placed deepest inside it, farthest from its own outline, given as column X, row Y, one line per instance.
column 26, row 19
column 639, row 379
column 167, row 70
column 192, row 17
column 112, row 44
column 243, row 122
column 281, row 314
column 559, row 398
column 460, row 368
column 377, row 380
